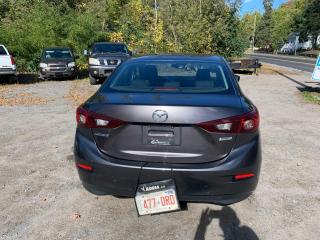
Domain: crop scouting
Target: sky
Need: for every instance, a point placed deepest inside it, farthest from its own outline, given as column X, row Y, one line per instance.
column 256, row 5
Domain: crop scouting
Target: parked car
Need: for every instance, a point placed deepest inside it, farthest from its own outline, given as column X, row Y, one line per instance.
column 7, row 64
column 57, row 63
column 165, row 129
column 104, row 58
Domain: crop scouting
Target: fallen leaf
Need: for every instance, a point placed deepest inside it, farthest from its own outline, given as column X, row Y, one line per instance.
column 75, row 216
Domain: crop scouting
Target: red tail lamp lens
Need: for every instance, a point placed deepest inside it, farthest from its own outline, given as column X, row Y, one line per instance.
column 89, row 119
column 85, row 167
column 248, row 122
column 243, row 176
column 12, row 60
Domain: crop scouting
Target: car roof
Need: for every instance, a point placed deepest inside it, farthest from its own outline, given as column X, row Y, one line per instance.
column 179, row 57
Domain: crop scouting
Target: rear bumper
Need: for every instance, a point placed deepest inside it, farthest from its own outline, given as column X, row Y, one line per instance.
column 101, row 71
column 7, row 71
column 207, row 182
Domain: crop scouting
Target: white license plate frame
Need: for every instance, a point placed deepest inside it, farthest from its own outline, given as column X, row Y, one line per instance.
column 156, row 198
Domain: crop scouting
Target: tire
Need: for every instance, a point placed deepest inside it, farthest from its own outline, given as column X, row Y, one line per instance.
column 93, row 81
column 41, row 77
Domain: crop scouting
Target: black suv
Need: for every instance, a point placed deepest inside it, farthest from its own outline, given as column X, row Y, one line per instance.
column 104, row 58
column 57, row 63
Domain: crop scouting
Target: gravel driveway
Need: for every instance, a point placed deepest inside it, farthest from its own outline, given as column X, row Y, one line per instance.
column 41, row 196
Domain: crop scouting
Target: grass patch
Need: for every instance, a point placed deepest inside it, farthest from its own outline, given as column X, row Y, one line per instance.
column 311, row 97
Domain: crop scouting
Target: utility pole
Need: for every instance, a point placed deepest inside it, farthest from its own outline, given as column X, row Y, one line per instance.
column 254, row 31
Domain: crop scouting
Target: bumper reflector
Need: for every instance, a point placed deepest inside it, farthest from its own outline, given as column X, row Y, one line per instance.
column 243, row 176
column 85, row 167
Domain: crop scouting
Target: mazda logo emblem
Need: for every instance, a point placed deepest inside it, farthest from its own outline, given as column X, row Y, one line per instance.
column 160, row 116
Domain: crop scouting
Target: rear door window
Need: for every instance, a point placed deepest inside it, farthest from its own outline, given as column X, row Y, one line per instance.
column 3, row 51
column 171, row 76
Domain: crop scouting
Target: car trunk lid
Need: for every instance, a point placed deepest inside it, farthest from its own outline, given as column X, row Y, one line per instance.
column 163, row 127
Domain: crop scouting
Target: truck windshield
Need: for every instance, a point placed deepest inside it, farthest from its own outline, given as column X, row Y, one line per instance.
column 109, row 48
column 171, row 76
column 57, row 53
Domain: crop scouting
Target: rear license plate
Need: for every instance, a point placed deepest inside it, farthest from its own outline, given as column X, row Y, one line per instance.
column 161, row 135
column 157, row 197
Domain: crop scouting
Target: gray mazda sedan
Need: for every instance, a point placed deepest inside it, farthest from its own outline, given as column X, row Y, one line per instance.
column 169, row 129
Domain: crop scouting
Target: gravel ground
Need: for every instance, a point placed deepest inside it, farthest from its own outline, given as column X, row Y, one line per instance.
column 41, row 196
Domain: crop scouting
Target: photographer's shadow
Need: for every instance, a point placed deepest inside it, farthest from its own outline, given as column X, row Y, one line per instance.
column 229, row 223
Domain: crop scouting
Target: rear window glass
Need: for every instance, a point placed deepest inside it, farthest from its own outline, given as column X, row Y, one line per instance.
column 171, row 76
column 2, row 51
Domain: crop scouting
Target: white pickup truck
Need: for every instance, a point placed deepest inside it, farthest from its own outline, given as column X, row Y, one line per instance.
column 7, row 64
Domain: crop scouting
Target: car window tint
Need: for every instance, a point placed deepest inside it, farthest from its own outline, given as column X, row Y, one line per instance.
column 171, row 76
column 57, row 54
column 116, row 48
column 2, row 51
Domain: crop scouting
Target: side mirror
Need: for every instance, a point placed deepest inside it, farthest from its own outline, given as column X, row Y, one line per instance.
column 130, row 53
column 237, row 77
column 85, row 52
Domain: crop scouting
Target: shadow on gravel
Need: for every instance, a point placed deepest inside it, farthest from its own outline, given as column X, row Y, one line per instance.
column 309, row 89
column 229, row 223
column 82, row 74
column 302, row 87
column 245, row 72
column 30, row 78
column 293, row 80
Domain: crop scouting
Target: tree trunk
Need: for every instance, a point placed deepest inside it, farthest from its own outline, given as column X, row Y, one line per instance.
column 314, row 41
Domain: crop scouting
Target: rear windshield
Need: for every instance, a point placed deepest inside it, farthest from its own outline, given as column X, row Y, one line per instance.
column 2, row 51
column 57, row 53
column 171, row 76
column 109, row 48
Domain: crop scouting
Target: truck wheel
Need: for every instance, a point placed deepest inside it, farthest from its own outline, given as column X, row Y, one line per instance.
column 93, row 81
column 41, row 77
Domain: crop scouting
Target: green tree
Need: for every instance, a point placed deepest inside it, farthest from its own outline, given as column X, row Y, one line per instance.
column 308, row 22
column 190, row 26
column 283, row 24
column 263, row 37
column 249, row 22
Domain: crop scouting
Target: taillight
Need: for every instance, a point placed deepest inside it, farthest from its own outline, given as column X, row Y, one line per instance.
column 243, row 176
column 85, row 167
column 89, row 119
column 12, row 60
column 248, row 122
